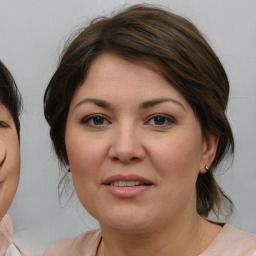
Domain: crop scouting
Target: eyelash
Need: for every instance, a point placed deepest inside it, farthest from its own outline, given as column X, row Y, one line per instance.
column 86, row 120
column 168, row 120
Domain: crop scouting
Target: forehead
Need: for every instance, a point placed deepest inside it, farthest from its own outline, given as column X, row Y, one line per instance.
column 4, row 112
column 107, row 61
column 113, row 71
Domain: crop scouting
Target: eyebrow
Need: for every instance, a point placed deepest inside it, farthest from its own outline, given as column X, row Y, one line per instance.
column 100, row 103
column 144, row 105
column 154, row 102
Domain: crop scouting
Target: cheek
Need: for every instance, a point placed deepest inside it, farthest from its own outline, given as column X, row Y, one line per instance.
column 177, row 158
column 9, row 176
column 85, row 156
column 177, row 163
column 7, row 191
column 2, row 150
column 11, row 152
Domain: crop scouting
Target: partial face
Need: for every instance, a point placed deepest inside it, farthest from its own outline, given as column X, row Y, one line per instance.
column 134, row 146
column 9, row 160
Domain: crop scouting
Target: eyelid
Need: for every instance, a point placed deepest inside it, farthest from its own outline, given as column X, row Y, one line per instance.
column 85, row 119
column 171, row 119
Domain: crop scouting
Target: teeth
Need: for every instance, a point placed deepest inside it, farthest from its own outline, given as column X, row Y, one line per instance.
column 121, row 183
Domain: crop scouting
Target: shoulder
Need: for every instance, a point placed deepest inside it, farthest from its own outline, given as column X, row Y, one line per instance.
column 6, row 234
column 6, row 224
column 236, row 235
column 60, row 247
column 232, row 241
column 86, row 242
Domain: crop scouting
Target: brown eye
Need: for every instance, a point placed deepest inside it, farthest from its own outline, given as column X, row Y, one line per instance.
column 95, row 120
column 161, row 120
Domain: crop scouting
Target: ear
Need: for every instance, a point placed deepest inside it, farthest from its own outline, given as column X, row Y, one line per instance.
column 209, row 148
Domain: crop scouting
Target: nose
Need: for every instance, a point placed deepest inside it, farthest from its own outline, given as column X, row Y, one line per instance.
column 126, row 146
column 2, row 152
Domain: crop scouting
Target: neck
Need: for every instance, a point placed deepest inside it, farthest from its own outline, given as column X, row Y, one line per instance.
column 178, row 238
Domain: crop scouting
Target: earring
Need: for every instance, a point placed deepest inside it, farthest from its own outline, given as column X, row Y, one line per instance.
column 69, row 170
column 207, row 168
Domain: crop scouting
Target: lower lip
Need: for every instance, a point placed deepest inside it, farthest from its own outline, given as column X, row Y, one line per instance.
column 127, row 192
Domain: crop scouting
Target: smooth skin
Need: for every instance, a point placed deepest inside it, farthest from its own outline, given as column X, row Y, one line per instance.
column 126, row 119
column 9, row 160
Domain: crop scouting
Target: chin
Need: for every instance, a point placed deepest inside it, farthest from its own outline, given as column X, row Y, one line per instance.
column 126, row 221
column 128, row 227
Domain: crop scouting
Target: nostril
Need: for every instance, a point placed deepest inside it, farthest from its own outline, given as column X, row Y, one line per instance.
column 126, row 153
column 115, row 158
column 123, row 159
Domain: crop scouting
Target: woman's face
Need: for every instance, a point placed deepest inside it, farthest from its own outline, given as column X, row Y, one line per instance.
column 9, row 160
column 134, row 146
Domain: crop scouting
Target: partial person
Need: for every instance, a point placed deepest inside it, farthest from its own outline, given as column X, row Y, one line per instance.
column 136, row 110
column 10, row 106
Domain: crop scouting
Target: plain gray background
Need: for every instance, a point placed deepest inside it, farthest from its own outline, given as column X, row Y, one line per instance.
column 32, row 34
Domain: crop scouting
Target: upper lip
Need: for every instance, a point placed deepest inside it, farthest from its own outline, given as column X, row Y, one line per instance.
column 131, row 177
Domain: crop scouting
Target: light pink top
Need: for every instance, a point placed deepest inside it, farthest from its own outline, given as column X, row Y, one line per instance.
column 7, row 248
column 229, row 242
column 6, row 234
column 232, row 242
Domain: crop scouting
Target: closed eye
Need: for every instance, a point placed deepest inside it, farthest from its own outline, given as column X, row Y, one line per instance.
column 161, row 120
column 95, row 120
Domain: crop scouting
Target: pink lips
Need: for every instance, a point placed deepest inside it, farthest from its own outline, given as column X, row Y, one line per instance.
column 123, row 191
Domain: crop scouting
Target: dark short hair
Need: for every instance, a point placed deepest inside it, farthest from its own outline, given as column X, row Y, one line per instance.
column 182, row 56
column 9, row 95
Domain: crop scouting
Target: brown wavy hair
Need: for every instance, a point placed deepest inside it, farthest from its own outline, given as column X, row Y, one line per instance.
column 182, row 56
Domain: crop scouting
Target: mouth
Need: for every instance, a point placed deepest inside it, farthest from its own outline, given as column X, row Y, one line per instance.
column 127, row 186
column 127, row 181
column 122, row 183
